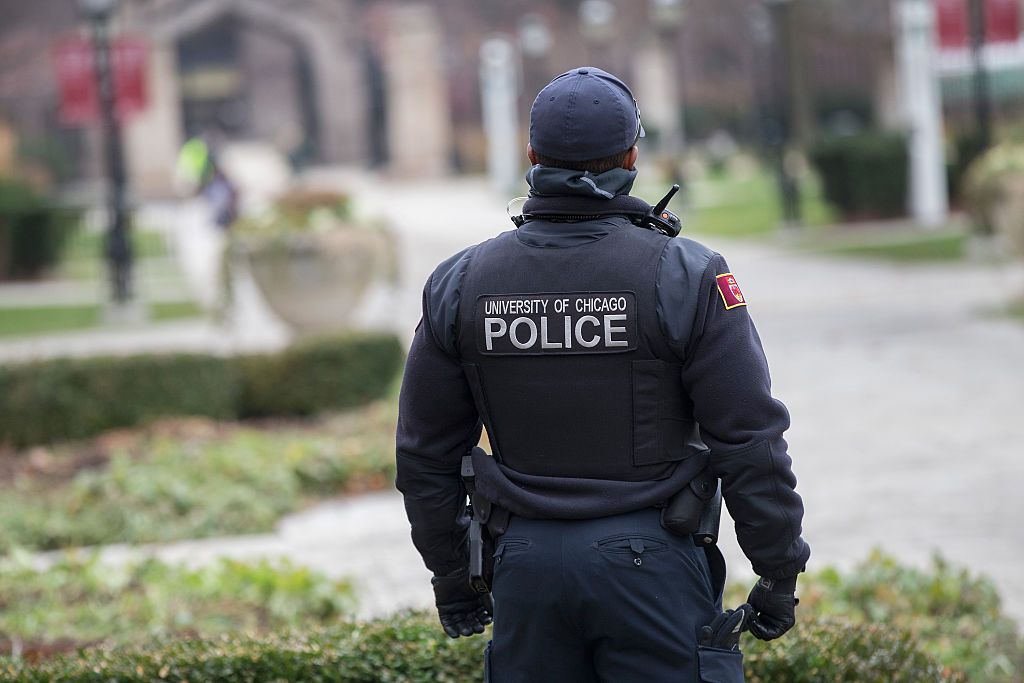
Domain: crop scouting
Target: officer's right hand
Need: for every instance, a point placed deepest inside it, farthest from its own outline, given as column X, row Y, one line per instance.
column 462, row 610
column 774, row 602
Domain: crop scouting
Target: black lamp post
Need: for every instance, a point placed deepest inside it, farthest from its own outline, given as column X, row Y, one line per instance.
column 118, row 247
column 779, row 123
column 982, row 105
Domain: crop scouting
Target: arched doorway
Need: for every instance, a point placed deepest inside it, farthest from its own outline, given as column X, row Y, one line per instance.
column 241, row 79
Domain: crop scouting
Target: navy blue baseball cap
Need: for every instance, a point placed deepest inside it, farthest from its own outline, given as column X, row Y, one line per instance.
column 584, row 114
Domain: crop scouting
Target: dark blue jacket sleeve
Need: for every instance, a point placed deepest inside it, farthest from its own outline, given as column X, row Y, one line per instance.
column 726, row 375
column 437, row 425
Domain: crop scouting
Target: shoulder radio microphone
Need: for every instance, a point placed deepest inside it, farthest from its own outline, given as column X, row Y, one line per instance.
column 660, row 219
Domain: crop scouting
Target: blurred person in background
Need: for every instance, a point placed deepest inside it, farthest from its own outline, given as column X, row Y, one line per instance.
column 618, row 375
column 199, row 173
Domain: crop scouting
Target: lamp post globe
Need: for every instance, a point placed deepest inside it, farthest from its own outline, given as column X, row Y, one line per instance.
column 597, row 18
column 97, row 10
column 668, row 14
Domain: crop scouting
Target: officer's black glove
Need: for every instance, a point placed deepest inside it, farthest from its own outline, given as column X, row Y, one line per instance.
column 774, row 602
column 462, row 610
column 724, row 632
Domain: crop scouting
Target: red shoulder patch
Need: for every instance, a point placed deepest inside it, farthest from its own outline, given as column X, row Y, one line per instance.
column 732, row 296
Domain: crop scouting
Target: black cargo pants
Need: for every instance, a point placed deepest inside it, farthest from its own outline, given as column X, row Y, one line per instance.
column 611, row 599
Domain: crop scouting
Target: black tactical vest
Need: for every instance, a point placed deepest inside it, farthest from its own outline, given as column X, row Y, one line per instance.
column 567, row 362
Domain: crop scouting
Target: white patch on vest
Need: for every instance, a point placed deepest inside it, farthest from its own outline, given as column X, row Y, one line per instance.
column 545, row 324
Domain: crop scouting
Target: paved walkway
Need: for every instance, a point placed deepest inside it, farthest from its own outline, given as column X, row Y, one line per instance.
column 905, row 392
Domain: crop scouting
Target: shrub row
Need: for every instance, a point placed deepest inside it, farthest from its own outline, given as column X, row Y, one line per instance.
column 52, row 400
column 32, row 231
column 412, row 648
column 864, row 175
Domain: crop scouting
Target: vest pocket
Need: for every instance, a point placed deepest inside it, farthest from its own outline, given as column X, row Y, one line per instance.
column 660, row 423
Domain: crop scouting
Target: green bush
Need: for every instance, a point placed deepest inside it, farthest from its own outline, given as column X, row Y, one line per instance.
column 412, row 648
column 953, row 616
column 73, row 398
column 831, row 649
column 962, row 152
column 32, row 231
column 957, row 617
column 864, row 175
column 317, row 375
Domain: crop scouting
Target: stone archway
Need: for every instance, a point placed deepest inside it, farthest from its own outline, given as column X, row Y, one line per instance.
column 325, row 29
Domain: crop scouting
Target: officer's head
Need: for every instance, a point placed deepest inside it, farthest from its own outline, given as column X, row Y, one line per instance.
column 585, row 120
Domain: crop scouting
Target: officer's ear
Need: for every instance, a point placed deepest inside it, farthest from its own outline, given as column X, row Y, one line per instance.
column 531, row 155
column 629, row 163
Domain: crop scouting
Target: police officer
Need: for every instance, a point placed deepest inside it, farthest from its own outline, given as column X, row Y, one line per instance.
column 613, row 367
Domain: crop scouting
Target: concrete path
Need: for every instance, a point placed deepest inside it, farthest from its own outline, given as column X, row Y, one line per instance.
column 905, row 391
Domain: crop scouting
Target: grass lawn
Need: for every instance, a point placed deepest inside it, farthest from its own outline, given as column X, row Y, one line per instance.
column 745, row 207
column 174, row 310
column 24, row 322
column 900, row 245
column 36, row 320
column 83, row 257
column 736, row 205
column 83, row 263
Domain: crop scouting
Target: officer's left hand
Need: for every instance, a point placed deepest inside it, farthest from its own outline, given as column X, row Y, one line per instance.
column 462, row 610
column 724, row 632
column 774, row 602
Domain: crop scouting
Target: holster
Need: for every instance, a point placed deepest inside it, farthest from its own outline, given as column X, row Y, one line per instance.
column 487, row 522
column 683, row 512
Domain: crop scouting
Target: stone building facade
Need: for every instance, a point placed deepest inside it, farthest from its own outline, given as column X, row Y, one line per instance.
column 394, row 84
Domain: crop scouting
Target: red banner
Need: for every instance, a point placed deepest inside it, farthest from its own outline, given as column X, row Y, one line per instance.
column 953, row 24
column 1002, row 21
column 76, row 79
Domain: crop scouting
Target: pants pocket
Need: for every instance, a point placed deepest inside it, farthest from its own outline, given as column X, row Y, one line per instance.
column 487, row 661
column 719, row 666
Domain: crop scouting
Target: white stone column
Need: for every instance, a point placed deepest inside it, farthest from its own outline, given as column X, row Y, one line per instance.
column 657, row 91
column 154, row 136
column 929, row 203
column 419, row 115
column 499, row 77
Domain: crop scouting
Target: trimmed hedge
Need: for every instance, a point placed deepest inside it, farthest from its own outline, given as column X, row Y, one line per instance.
column 54, row 400
column 412, row 648
column 320, row 374
column 32, row 230
column 864, row 175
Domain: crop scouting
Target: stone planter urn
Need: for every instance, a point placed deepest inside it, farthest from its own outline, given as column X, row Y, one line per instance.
column 315, row 266
column 995, row 198
column 1008, row 213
